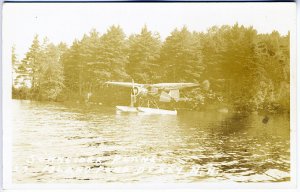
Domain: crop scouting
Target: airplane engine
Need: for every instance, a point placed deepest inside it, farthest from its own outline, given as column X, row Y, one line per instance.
column 138, row 91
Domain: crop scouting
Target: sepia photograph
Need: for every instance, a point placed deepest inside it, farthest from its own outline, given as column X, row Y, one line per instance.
column 131, row 93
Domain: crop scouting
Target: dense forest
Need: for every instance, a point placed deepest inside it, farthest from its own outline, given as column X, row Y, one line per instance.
column 236, row 67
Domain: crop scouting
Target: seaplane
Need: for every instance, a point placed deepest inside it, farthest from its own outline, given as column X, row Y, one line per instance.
column 145, row 97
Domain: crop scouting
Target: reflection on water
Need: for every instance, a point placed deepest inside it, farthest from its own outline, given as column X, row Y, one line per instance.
column 58, row 143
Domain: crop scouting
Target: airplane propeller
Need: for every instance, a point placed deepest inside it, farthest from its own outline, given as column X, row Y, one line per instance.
column 132, row 86
column 133, row 94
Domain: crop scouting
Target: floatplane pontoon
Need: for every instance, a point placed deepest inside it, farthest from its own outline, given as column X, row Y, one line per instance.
column 145, row 110
column 164, row 92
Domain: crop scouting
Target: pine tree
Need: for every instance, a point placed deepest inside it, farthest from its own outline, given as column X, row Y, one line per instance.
column 71, row 61
column 112, row 55
column 15, row 65
column 51, row 80
column 90, row 45
column 144, row 50
column 181, row 57
column 31, row 64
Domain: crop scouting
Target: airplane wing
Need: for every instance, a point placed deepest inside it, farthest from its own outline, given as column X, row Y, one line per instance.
column 124, row 84
column 173, row 86
column 156, row 87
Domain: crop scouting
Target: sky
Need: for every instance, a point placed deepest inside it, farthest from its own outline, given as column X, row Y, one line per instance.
column 63, row 22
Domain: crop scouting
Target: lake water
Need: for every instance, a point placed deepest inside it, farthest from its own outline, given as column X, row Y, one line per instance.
column 60, row 143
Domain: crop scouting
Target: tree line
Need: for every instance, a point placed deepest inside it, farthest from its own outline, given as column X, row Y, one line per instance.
column 235, row 65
